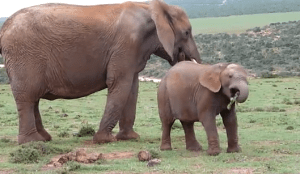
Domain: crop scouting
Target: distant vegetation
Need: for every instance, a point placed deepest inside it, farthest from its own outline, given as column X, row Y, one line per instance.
column 217, row 8
column 269, row 51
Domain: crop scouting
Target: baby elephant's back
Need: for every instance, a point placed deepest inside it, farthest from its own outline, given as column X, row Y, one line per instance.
column 177, row 89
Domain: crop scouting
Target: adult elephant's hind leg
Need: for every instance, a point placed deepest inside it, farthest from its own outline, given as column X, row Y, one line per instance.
column 126, row 121
column 38, row 123
column 27, row 125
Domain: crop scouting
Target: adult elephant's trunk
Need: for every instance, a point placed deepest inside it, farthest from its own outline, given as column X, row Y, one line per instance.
column 242, row 89
column 194, row 53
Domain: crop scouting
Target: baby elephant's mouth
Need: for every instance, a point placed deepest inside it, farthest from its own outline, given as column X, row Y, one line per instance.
column 234, row 92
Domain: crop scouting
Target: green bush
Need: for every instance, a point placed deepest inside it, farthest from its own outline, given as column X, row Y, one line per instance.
column 25, row 155
column 63, row 134
column 86, row 130
column 31, row 152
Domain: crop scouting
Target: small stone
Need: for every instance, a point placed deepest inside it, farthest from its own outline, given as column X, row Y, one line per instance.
column 144, row 155
column 64, row 115
column 153, row 162
column 57, row 164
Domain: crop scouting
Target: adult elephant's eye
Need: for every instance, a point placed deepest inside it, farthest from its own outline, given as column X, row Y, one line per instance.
column 187, row 33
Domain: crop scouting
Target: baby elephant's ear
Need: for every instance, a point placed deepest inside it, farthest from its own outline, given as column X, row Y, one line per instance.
column 211, row 78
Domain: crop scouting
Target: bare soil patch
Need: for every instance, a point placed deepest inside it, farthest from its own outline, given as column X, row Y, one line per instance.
column 6, row 171
column 240, row 171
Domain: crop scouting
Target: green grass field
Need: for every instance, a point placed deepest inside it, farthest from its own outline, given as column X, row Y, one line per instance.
column 239, row 24
column 269, row 132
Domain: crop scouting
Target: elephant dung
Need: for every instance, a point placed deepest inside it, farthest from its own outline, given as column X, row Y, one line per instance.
column 144, row 155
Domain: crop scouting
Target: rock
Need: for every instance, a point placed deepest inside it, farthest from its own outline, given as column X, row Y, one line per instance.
column 92, row 157
column 81, row 156
column 153, row 162
column 144, row 155
column 64, row 115
column 71, row 156
column 63, row 159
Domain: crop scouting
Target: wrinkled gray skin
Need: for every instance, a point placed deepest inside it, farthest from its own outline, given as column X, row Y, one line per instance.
column 65, row 51
column 193, row 92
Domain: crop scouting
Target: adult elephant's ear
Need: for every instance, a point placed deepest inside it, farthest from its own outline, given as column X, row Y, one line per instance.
column 211, row 78
column 163, row 21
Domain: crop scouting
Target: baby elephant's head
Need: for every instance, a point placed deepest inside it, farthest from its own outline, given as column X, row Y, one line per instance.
column 231, row 79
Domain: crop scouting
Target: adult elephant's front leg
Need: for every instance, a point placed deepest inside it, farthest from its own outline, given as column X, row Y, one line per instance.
column 119, row 87
column 126, row 121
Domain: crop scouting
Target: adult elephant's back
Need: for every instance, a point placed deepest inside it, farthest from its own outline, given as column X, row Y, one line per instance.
column 63, row 43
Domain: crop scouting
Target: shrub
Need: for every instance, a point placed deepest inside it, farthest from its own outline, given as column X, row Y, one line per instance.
column 154, row 153
column 31, row 152
column 86, row 130
column 290, row 128
column 25, row 155
column 63, row 134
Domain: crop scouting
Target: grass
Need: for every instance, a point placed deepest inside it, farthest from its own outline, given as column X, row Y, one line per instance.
column 239, row 24
column 269, row 129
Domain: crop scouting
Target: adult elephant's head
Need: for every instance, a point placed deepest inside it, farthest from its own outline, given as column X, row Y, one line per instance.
column 174, row 32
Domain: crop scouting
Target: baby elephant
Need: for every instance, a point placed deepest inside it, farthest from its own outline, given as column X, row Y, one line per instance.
column 194, row 92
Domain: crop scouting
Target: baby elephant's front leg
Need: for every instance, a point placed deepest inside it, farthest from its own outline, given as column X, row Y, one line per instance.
column 230, row 123
column 209, row 124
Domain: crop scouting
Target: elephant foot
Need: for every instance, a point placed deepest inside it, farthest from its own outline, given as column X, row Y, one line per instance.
column 234, row 149
column 194, row 146
column 45, row 134
column 103, row 137
column 213, row 151
column 127, row 135
column 165, row 147
column 31, row 137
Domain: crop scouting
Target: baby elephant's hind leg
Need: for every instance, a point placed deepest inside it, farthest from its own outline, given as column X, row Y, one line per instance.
column 190, row 139
column 166, row 138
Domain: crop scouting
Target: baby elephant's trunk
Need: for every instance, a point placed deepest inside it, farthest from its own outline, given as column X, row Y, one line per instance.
column 243, row 90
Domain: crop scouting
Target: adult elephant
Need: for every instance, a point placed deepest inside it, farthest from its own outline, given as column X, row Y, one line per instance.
column 65, row 51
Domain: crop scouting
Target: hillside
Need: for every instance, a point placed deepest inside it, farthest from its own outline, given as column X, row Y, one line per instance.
column 217, row 8
column 273, row 49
